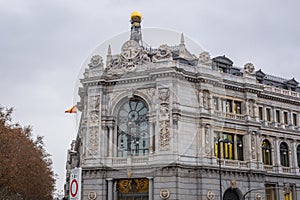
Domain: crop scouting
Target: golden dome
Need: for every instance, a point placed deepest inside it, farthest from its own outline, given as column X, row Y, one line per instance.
column 136, row 15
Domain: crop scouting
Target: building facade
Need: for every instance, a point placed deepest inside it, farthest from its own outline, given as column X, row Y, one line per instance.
column 162, row 123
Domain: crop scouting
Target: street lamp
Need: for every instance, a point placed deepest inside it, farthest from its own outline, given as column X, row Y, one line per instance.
column 219, row 141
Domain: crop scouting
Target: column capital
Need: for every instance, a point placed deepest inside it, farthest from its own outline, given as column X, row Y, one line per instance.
column 109, row 179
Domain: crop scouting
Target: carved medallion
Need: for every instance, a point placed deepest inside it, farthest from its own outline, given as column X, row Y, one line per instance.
column 204, row 58
column 92, row 195
column 163, row 53
column 249, row 68
column 96, row 61
column 210, row 195
column 164, row 194
column 130, row 49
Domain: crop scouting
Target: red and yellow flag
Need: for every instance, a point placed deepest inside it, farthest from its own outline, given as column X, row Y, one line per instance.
column 72, row 110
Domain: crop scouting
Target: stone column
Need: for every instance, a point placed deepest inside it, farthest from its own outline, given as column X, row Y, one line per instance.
column 258, row 150
column 151, row 134
column 235, row 147
column 265, row 120
column 201, row 99
column 114, row 190
column 210, row 102
column 274, row 117
column 220, row 104
column 109, row 189
column 110, row 142
column 293, row 158
column 282, row 119
column 290, row 120
column 104, row 141
column 150, row 192
column 255, row 112
column 298, row 120
column 277, row 155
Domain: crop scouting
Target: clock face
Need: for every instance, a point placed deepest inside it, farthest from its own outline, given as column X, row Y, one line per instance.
column 130, row 49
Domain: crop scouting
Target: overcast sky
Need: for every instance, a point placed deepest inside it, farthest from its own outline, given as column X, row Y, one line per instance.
column 43, row 44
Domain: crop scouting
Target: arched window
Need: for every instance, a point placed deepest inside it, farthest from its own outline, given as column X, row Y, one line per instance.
column 266, row 152
column 133, row 134
column 284, row 154
column 298, row 155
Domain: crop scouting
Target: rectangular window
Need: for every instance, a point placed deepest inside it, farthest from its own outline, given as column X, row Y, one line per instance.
column 228, row 146
column 216, row 103
column 268, row 111
column 270, row 191
column 240, row 147
column 285, row 117
column 288, row 195
column 229, row 106
column 237, row 107
column 278, row 116
column 295, row 119
column 260, row 113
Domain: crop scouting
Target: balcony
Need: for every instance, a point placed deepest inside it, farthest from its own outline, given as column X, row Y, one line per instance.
column 281, row 91
column 229, row 115
column 233, row 163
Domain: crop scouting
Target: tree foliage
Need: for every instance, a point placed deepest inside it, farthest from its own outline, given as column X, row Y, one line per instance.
column 25, row 166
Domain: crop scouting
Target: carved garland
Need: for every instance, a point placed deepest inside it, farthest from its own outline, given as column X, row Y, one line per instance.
column 164, row 123
column 94, row 125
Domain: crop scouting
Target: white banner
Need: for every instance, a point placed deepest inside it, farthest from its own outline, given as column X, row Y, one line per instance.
column 75, row 184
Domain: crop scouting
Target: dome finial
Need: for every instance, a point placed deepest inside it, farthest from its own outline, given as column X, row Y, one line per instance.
column 135, row 20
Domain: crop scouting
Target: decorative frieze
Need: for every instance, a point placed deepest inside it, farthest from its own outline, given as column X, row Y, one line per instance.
column 164, row 120
column 93, row 141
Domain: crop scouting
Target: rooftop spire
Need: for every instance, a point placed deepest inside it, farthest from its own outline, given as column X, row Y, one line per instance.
column 182, row 47
column 182, row 39
column 108, row 56
column 109, row 50
column 135, row 20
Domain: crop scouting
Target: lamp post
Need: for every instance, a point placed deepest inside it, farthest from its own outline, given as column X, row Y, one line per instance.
column 219, row 141
column 220, row 166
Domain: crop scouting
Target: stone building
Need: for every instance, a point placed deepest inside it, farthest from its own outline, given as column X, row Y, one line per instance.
column 162, row 123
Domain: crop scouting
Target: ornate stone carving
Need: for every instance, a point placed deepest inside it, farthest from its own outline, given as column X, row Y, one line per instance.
column 93, row 141
column 249, row 68
column 163, row 53
column 94, row 119
column 164, row 135
column 96, row 61
column 233, row 184
column 131, row 55
column 205, row 99
column 250, row 108
column 92, row 195
column 151, row 92
column 95, row 103
column 258, row 196
column 164, row 193
column 164, row 130
column 164, row 95
column 207, row 135
column 204, row 58
column 210, row 195
column 253, row 146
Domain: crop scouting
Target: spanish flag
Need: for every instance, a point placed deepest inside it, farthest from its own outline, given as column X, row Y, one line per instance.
column 72, row 110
